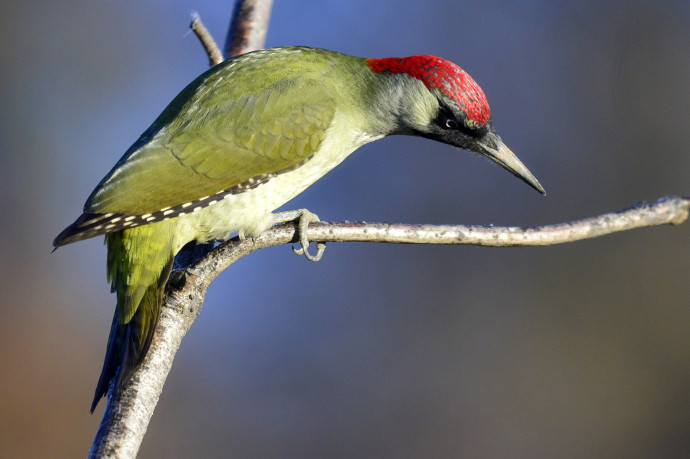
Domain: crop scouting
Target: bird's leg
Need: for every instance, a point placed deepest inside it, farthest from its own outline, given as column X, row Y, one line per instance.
column 305, row 217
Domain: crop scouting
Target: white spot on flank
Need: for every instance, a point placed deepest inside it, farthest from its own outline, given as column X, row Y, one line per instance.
column 145, row 216
column 168, row 212
column 185, row 205
column 115, row 220
column 150, row 219
column 130, row 218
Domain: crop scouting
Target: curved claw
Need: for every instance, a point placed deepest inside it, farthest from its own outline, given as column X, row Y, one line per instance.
column 304, row 250
column 305, row 217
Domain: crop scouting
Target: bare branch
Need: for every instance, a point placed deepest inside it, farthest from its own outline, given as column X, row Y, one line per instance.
column 665, row 211
column 247, row 31
column 248, row 27
column 670, row 210
column 186, row 291
column 207, row 41
column 129, row 410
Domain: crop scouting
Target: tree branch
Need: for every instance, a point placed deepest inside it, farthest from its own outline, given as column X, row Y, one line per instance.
column 671, row 210
column 248, row 27
column 206, row 40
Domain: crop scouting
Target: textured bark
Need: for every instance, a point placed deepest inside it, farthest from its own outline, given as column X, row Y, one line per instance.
column 248, row 27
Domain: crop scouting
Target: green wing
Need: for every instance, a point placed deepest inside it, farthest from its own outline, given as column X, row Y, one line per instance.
column 211, row 138
column 235, row 126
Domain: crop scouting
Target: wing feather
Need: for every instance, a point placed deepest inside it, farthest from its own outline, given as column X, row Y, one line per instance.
column 215, row 141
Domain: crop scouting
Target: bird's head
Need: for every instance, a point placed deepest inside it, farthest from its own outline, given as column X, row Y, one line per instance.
column 454, row 110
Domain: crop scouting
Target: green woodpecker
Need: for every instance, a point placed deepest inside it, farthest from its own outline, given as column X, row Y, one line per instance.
column 240, row 141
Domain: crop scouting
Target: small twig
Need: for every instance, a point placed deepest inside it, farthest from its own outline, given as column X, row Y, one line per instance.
column 207, row 41
column 248, row 27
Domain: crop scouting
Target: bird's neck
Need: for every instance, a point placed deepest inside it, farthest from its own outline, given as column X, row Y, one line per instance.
column 397, row 104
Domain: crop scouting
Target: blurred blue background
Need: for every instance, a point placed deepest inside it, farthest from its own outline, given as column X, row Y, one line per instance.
column 578, row 350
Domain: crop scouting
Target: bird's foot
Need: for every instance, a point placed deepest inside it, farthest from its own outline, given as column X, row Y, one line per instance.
column 304, row 217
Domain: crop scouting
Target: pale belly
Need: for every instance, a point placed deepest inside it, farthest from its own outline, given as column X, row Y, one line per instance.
column 250, row 212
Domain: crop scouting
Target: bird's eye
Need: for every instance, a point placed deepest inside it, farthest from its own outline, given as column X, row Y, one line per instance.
column 451, row 123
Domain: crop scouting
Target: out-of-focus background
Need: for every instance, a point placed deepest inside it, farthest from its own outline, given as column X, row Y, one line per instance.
column 578, row 350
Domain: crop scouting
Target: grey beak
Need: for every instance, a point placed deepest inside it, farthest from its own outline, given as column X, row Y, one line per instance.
column 494, row 148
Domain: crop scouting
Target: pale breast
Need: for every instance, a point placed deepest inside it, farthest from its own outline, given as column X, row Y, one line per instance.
column 250, row 211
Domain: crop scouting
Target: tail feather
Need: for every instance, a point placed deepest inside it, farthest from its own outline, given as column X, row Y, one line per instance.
column 138, row 270
column 113, row 361
column 128, row 343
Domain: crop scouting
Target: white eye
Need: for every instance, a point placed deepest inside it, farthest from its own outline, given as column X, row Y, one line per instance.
column 451, row 123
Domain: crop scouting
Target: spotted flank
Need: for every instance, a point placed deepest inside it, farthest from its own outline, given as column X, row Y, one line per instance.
column 91, row 225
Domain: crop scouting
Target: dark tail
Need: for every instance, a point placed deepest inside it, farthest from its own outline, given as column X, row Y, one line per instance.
column 128, row 343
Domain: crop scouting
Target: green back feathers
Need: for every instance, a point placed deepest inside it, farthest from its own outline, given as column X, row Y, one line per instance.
column 242, row 119
column 236, row 126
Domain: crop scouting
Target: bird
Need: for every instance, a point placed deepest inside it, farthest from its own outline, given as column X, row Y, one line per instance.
column 243, row 139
